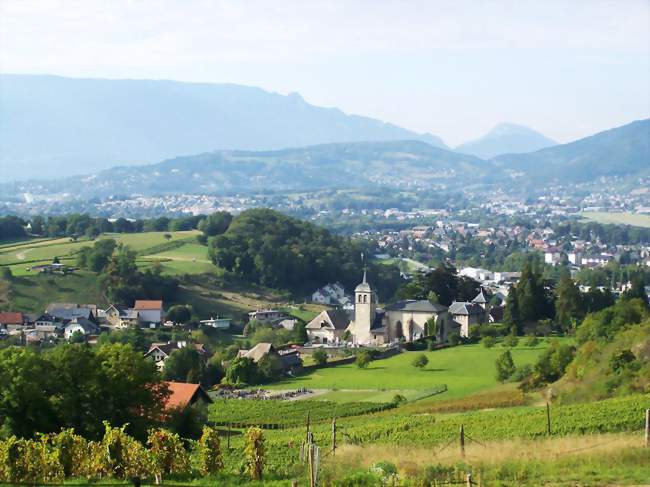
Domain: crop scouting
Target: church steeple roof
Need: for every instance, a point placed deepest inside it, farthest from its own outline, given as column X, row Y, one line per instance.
column 364, row 287
column 480, row 298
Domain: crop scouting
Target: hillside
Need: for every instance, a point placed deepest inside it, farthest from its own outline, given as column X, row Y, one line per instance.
column 622, row 151
column 349, row 165
column 506, row 138
column 86, row 125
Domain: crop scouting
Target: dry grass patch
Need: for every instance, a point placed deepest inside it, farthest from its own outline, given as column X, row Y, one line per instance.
column 489, row 453
column 502, row 397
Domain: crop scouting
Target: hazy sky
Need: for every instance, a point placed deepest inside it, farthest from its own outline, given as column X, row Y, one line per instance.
column 453, row 68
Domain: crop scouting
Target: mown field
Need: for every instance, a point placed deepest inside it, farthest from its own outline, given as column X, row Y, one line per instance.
column 201, row 283
column 181, row 254
column 634, row 219
column 465, row 369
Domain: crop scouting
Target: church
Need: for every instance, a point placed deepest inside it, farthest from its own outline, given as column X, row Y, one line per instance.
column 369, row 325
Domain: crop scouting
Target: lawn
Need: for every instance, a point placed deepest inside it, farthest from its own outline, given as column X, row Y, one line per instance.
column 464, row 369
column 189, row 258
column 634, row 219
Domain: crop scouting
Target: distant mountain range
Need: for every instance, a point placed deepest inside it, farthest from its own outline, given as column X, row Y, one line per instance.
column 407, row 164
column 350, row 165
column 506, row 138
column 622, row 151
column 52, row 126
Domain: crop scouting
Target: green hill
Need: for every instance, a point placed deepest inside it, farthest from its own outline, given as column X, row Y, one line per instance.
column 622, row 151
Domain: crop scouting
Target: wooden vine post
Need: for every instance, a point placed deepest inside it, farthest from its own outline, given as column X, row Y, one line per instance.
column 548, row 419
column 333, row 436
column 462, row 441
column 647, row 428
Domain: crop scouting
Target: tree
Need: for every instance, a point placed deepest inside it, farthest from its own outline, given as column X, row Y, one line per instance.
column 320, row 357
column 180, row 313
column 505, row 366
column 241, row 370
column 636, row 290
column 363, row 359
column 420, row 361
column 184, row 365
column 300, row 332
column 167, row 236
column 24, row 402
column 215, row 224
column 269, row 367
column 569, row 306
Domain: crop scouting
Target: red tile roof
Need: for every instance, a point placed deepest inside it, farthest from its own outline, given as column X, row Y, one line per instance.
column 10, row 318
column 143, row 304
column 183, row 394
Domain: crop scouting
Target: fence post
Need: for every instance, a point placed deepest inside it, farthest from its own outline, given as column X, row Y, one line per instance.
column 308, row 412
column 548, row 418
column 469, row 480
column 462, row 441
column 333, row 436
column 228, row 446
column 311, row 465
column 647, row 428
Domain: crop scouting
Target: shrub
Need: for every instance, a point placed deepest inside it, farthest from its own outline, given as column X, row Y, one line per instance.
column 505, row 366
column 364, row 357
column 510, row 341
column 320, row 357
column 431, row 345
column 454, row 339
column 385, row 468
column 420, row 361
column 398, row 399
column 532, row 341
column 488, row 341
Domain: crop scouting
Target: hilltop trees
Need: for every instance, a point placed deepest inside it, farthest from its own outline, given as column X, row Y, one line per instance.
column 277, row 251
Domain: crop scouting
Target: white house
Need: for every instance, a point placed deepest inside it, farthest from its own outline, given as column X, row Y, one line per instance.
column 150, row 312
column 219, row 323
column 80, row 325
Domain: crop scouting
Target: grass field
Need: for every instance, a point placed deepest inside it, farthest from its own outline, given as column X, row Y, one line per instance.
column 188, row 258
column 466, row 369
column 634, row 219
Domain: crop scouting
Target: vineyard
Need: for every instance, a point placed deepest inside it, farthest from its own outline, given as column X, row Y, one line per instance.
column 276, row 414
column 230, row 454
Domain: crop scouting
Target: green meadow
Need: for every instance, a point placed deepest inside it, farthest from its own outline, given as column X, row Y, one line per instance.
column 465, row 370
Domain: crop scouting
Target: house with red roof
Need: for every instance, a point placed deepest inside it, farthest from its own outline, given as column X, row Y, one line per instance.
column 183, row 394
column 150, row 312
column 11, row 320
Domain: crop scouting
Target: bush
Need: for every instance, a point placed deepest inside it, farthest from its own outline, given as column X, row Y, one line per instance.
column 532, row 341
column 522, row 373
column 420, row 361
column 5, row 273
column 364, row 357
column 454, row 340
column 488, row 342
column 385, row 468
column 320, row 357
column 510, row 341
column 431, row 345
column 398, row 399
column 505, row 366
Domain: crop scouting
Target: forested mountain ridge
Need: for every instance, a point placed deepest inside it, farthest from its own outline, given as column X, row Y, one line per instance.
column 622, row 151
column 345, row 165
column 56, row 127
